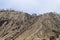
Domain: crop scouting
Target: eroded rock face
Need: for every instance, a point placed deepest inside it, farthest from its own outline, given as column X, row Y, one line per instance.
column 23, row 26
column 13, row 24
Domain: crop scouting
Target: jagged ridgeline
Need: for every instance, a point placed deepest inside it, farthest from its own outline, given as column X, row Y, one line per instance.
column 16, row 25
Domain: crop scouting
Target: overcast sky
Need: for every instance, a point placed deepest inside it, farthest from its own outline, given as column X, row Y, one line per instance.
column 32, row 6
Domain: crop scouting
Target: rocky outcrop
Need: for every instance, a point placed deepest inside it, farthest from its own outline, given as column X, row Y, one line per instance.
column 16, row 25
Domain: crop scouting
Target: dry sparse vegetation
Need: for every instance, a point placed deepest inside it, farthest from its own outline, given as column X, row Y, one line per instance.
column 16, row 25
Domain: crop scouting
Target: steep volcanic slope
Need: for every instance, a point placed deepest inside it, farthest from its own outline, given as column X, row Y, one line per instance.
column 22, row 26
column 46, row 28
column 13, row 24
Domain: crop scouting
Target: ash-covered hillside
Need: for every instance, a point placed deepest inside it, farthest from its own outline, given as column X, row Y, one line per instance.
column 15, row 25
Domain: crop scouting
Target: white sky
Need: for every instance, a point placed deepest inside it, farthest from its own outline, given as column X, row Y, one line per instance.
column 32, row 6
